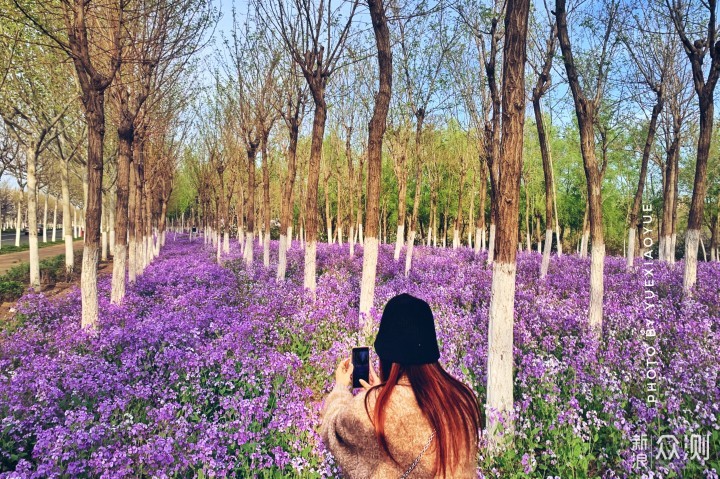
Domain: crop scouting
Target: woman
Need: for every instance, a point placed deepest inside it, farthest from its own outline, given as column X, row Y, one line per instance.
column 415, row 420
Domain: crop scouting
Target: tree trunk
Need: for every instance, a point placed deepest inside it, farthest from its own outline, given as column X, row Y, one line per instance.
column 635, row 211
column 125, row 139
column 376, row 130
column 311, row 214
column 95, row 114
column 416, row 199
column 286, row 207
column 45, row 213
column 266, row 199
column 549, row 184
column 31, row 158
column 67, row 226
column 501, row 310
column 402, row 200
column 585, row 112
column 250, row 204
column 458, row 217
column 665, row 242
column 54, row 231
column 699, row 188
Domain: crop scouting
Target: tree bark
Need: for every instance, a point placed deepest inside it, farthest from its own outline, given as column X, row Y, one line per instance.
column 31, row 158
column 250, row 203
column 665, row 243
column 125, row 139
column 293, row 123
column 67, row 221
column 311, row 199
column 501, row 311
column 95, row 114
column 376, row 131
column 418, row 191
column 699, row 185
column 647, row 149
column 585, row 111
column 266, row 198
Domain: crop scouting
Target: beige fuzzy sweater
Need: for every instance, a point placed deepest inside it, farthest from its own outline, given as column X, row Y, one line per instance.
column 348, row 433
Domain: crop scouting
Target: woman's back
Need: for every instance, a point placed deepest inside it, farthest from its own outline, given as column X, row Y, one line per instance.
column 349, row 434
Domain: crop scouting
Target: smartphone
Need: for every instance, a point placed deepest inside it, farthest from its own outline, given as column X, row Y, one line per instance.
column 361, row 365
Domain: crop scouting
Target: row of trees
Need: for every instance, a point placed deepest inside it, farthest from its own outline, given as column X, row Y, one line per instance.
column 462, row 65
column 60, row 63
column 442, row 89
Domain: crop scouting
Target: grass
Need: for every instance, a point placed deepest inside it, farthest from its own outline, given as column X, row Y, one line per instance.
column 6, row 249
column 52, row 270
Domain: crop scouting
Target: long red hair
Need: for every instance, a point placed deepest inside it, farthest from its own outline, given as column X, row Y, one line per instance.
column 449, row 405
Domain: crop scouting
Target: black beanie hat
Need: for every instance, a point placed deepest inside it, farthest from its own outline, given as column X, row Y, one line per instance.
column 407, row 332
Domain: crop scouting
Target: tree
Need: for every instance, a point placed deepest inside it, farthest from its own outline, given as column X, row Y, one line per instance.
column 652, row 56
column 586, row 110
column 96, row 54
column 704, row 83
column 542, row 70
column 502, row 295
column 425, row 47
column 31, row 107
column 376, row 130
column 315, row 43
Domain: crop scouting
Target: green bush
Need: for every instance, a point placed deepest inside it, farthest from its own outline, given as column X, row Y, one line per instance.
column 11, row 290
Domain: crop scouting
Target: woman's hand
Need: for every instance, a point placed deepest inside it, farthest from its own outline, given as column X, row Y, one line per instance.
column 343, row 373
column 374, row 380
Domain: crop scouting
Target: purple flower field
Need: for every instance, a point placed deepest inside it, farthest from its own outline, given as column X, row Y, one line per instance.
column 219, row 371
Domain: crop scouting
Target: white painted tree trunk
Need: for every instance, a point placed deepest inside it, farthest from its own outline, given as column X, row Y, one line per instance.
column 76, row 233
column 546, row 253
column 630, row 249
column 45, row 220
column 584, row 243
column 409, row 252
column 18, row 222
column 456, row 238
column 117, row 292
column 702, row 244
column 282, row 257
column 226, row 242
column 339, row 235
column 218, row 252
column 54, row 223
column 491, row 244
column 132, row 259
column 478, row 240
column 309, row 280
column 367, row 284
column 266, row 250
column 31, row 159
column 288, row 246
column 500, row 350
column 103, row 240
column 67, row 227
column 361, row 239
column 597, row 266
column 666, row 246
column 248, row 253
column 88, row 286
column 399, row 240
column 673, row 245
column 528, row 243
column 352, row 241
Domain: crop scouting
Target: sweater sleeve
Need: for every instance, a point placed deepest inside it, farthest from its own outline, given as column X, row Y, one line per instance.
column 348, row 433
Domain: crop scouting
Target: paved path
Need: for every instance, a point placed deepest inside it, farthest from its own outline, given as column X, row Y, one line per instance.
column 9, row 260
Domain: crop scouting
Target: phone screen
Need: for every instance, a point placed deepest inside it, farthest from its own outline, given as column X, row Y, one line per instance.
column 361, row 365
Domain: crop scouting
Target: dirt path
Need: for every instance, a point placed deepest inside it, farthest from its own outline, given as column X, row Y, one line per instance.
column 9, row 260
